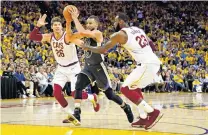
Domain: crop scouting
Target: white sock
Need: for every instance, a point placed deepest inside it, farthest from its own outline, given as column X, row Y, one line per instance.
column 146, row 107
column 142, row 113
column 77, row 105
column 90, row 97
column 68, row 110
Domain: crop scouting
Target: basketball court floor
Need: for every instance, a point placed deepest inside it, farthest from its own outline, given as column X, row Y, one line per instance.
column 184, row 114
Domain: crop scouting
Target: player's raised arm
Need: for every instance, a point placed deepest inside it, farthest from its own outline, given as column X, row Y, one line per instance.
column 35, row 33
column 78, row 25
column 95, row 34
column 117, row 38
column 72, row 37
column 68, row 28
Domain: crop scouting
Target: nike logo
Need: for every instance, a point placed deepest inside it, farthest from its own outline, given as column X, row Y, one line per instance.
column 98, row 69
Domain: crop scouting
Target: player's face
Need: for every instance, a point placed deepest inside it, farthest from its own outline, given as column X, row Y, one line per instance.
column 91, row 24
column 57, row 27
column 117, row 26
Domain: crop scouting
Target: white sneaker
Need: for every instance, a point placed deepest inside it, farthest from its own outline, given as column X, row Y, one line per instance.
column 32, row 96
column 24, row 96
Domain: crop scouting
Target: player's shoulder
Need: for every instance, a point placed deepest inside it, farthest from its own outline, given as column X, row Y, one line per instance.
column 118, row 34
column 133, row 28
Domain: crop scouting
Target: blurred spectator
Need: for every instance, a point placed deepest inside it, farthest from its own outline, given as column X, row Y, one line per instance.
column 20, row 86
column 159, row 82
column 189, row 80
column 34, row 80
column 42, row 79
column 204, row 80
column 178, row 79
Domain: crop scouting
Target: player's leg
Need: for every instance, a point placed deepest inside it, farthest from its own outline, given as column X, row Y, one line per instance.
column 78, row 83
column 81, row 82
column 138, row 79
column 58, row 83
column 103, row 83
column 86, row 77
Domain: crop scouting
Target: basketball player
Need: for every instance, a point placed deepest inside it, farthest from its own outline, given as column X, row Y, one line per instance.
column 65, row 54
column 137, row 43
column 94, row 69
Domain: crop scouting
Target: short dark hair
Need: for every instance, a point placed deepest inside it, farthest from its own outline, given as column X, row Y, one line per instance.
column 123, row 16
column 95, row 18
column 56, row 19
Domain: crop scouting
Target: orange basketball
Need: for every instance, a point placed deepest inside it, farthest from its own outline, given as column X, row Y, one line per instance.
column 66, row 13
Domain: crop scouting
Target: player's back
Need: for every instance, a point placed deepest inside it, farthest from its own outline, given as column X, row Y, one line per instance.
column 63, row 53
column 138, row 46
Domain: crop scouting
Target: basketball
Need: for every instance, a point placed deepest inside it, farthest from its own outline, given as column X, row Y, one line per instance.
column 66, row 13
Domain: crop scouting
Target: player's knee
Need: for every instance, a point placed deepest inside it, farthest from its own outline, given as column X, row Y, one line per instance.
column 109, row 93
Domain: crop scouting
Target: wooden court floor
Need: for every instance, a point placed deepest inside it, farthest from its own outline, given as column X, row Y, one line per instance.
column 184, row 114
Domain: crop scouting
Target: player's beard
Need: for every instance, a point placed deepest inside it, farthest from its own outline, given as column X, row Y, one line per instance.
column 117, row 28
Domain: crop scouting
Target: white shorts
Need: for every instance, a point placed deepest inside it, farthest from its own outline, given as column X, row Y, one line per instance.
column 67, row 74
column 141, row 76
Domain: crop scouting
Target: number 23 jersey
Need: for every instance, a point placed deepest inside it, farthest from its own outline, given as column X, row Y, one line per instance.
column 63, row 53
column 138, row 46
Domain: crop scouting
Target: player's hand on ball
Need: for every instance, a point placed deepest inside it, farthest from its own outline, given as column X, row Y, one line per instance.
column 81, row 44
column 41, row 21
column 74, row 13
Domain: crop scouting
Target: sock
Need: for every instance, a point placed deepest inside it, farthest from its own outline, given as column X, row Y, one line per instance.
column 146, row 107
column 90, row 97
column 123, row 105
column 59, row 95
column 68, row 110
column 132, row 95
column 142, row 113
column 77, row 105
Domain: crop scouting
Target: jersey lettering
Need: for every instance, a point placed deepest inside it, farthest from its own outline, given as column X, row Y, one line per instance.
column 59, row 49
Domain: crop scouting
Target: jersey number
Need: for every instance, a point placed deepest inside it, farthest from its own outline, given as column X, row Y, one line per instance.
column 59, row 49
column 142, row 41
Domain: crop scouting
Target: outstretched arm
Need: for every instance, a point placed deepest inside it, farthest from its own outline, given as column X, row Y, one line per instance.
column 118, row 37
column 35, row 33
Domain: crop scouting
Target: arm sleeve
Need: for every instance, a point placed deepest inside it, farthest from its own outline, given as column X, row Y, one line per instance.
column 35, row 35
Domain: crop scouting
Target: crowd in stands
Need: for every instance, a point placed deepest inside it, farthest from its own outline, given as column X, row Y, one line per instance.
column 178, row 29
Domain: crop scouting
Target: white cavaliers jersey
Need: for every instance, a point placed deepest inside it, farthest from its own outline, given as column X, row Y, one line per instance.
column 138, row 46
column 64, row 54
